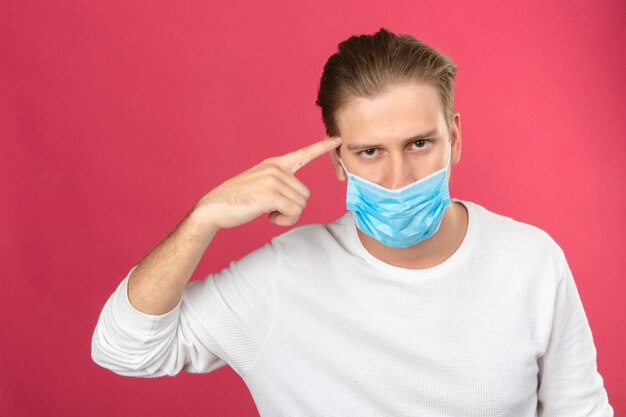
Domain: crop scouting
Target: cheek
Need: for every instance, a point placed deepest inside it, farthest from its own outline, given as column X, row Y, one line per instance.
column 368, row 170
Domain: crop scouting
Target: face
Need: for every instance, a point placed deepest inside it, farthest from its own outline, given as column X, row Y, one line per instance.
column 396, row 138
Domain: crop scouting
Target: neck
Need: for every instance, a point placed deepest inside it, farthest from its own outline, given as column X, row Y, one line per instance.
column 429, row 252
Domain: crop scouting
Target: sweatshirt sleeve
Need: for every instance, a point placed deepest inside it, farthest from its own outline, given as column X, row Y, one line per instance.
column 222, row 319
column 569, row 382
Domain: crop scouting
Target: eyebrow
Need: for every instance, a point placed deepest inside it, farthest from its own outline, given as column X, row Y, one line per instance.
column 424, row 135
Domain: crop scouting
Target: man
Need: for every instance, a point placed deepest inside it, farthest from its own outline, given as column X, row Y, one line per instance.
column 411, row 304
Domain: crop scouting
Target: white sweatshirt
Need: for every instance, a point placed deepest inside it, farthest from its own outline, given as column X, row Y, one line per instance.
column 318, row 327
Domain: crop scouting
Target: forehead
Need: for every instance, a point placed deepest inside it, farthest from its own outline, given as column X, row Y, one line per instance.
column 402, row 110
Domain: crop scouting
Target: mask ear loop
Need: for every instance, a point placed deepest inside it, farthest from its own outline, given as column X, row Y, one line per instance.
column 449, row 159
column 344, row 167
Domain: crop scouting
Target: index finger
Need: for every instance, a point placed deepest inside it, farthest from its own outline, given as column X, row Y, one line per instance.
column 297, row 159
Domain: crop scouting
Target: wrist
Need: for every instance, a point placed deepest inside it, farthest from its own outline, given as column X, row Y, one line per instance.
column 201, row 219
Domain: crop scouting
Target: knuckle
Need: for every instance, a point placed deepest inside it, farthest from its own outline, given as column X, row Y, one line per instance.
column 273, row 169
column 299, row 205
column 292, row 209
column 270, row 181
column 272, row 195
column 267, row 194
column 297, row 209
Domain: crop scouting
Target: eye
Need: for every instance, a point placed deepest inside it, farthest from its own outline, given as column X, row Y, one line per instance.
column 421, row 144
column 368, row 153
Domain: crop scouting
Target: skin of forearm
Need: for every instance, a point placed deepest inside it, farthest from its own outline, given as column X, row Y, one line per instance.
column 270, row 187
column 156, row 285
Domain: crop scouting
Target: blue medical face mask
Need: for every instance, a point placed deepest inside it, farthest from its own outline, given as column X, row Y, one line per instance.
column 400, row 217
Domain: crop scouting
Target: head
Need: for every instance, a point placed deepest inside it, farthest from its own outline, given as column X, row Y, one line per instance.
column 391, row 99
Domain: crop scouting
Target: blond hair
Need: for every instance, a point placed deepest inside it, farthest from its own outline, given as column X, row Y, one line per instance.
column 367, row 65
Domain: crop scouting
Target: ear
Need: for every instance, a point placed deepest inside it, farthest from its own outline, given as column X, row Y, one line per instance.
column 334, row 159
column 455, row 138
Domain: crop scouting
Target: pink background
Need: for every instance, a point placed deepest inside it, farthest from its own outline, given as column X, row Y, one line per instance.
column 116, row 117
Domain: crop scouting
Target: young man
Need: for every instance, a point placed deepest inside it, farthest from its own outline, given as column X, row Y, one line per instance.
column 412, row 303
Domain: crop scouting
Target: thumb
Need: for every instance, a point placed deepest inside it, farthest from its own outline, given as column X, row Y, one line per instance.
column 280, row 219
column 272, row 216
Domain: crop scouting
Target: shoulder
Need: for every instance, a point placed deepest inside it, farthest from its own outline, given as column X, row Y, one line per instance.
column 508, row 235
column 313, row 237
column 301, row 242
column 499, row 226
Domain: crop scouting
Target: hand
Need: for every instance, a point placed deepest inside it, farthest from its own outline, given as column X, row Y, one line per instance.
column 269, row 187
